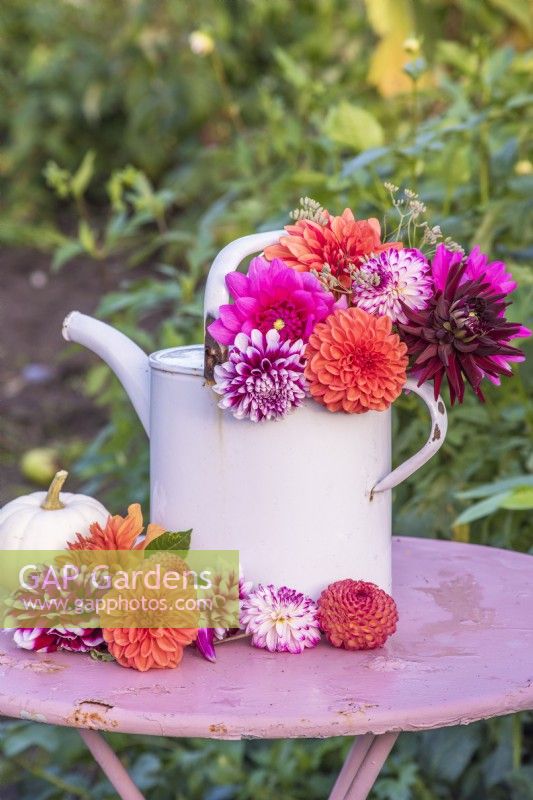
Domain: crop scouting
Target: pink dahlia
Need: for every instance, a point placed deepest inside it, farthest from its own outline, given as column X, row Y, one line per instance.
column 270, row 296
column 280, row 620
column 385, row 281
column 263, row 378
column 48, row 640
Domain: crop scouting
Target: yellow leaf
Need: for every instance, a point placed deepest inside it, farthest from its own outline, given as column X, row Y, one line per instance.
column 390, row 16
column 386, row 65
column 393, row 22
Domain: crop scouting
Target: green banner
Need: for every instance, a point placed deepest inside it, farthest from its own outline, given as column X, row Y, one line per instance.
column 119, row 588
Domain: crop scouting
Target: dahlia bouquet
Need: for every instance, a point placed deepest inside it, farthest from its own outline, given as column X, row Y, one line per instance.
column 343, row 313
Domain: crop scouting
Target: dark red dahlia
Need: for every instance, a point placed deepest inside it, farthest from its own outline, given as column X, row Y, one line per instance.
column 461, row 335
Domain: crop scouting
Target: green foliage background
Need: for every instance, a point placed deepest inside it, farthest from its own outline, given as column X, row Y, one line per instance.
column 157, row 156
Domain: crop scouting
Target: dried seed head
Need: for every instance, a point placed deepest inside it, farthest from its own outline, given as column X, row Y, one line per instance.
column 310, row 209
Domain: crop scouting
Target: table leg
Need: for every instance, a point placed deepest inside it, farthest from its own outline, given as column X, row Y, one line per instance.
column 354, row 759
column 362, row 766
column 105, row 756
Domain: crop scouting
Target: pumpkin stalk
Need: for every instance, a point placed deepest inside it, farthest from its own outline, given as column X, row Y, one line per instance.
column 52, row 502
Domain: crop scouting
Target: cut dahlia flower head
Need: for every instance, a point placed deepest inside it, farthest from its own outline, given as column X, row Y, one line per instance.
column 356, row 615
column 339, row 242
column 272, row 295
column 383, row 283
column 263, row 378
column 48, row 640
column 461, row 335
column 280, row 620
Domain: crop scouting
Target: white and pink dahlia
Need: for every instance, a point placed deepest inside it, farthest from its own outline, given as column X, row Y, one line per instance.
column 280, row 620
column 383, row 282
column 48, row 640
column 263, row 378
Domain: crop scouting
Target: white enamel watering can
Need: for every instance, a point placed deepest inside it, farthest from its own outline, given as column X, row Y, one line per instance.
column 306, row 499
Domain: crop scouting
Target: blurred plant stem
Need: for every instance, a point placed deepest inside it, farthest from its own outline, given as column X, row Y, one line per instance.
column 53, row 780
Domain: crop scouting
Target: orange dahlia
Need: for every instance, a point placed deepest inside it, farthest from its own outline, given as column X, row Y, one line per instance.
column 355, row 363
column 340, row 244
column 119, row 533
column 148, row 648
column 356, row 615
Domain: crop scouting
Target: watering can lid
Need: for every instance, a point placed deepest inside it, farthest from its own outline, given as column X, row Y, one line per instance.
column 185, row 360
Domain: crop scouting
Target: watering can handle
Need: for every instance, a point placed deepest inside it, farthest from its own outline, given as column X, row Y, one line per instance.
column 439, row 426
column 229, row 258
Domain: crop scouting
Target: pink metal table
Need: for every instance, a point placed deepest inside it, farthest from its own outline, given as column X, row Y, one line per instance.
column 463, row 652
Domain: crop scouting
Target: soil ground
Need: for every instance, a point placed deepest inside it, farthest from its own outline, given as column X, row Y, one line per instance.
column 41, row 398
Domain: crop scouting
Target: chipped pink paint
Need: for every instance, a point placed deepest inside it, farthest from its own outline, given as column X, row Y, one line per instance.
column 462, row 652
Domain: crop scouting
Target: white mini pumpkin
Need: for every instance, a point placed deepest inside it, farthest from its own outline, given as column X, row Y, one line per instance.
column 48, row 520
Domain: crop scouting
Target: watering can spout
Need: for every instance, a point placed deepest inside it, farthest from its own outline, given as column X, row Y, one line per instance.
column 125, row 358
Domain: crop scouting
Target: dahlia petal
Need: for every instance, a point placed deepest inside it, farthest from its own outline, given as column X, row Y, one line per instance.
column 237, row 284
column 246, row 306
column 220, row 332
column 230, row 318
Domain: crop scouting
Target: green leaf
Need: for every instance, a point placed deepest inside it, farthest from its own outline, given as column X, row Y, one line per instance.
column 447, row 751
column 172, row 540
column 519, row 499
column 86, row 236
column 31, row 736
column 517, row 10
column 481, row 509
column 292, row 71
column 487, row 489
column 353, row 127
column 364, row 160
column 83, row 175
column 66, row 253
column 98, row 655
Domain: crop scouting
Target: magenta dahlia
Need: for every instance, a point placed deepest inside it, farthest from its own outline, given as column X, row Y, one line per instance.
column 477, row 268
column 263, row 378
column 270, row 296
column 48, row 640
column 280, row 620
column 495, row 274
column 462, row 335
column 387, row 281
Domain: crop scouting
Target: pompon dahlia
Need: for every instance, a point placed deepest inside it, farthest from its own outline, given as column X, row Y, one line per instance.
column 263, row 378
column 148, row 648
column 119, row 533
column 270, row 296
column 48, row 640
column 354, row 362
column 356, row 615
column 340, row 244
column 383, row 282
column 461, row 335
column 280, row 620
